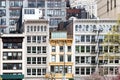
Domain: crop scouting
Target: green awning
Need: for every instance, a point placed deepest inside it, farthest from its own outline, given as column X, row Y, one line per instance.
column 9, row 76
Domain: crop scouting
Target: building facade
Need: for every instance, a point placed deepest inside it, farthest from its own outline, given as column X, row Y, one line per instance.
column 10, row 10
column 12, row 58
column 90, row 7
column 108, row 9
column 61, row 56
column 91, row 51
column 36, row 49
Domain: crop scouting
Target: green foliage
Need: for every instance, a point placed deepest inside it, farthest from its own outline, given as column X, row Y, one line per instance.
column 71, row 79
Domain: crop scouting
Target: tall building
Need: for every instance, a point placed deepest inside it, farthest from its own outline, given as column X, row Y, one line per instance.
column 108, row 9
column 89, row 48
column 89, row 5
column 12, row 56
column 61, row 56
column 36, row 49
column 54, row 10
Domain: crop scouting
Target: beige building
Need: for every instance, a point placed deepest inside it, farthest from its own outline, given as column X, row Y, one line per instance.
column 108, row 8
column 60, row 57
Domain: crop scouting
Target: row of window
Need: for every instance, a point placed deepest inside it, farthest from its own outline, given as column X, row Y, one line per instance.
column 36, row 71
column 54, row 21
column 90, row 70
column 51, row 3
column 61, row 58
column 36, row 39
column 12, row 66
column 12, row 45
column 16, row 3
column 39, row 3
column 55, row 12
column 14, row 13
column 92, row 49
column 37, row 49
column 91, row 28
column 84, row 70
column 36, row 60
column 92, row 60
column 12, row 55
column 39, row 28
column 29, row 11
column 60, row 69
column 61, row 48
column 88, row 38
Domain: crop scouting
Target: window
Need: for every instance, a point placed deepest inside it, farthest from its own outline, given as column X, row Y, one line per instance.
column 93, row 38
column 44, row 49
column 33, row 71
column 61, row 58
column 28, row 60
column 2, row 21
column 69, row 48
column 87, row 48
column 39, row 49
column 53, row 49
column 69, row 69
column 76, row 59
column 29, row 11
column 82, row 59
column 82, row 48
column 12, row 55
column 53, row 58
column 44, row 39
column 61, row 49
column 93, row 49
column 38, row 60
column 87, row 70
column 12, row 66
column 38, row 39
column 2, row 12
column 43, row 71
column 33, row 49
column 44, row 60
column 28, row 49
column 28, row 71
column 82, row 38
column 93, row 61
column 28, row 39
column 40, row 3
column 2, row 3
column 56, row 69
column 82, row 71
column 107, row 6
column 105, row 48
column 31, row 3
column 33, row 60
column 115, row 3
column 69, row 58
column 77, row 70
column 33, row 38
column 77, row 49
column 38, row 71
column 88, row 38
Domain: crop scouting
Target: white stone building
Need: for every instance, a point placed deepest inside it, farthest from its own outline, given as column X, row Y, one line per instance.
column 36, row 49
column 86, row 48
column 12, row 56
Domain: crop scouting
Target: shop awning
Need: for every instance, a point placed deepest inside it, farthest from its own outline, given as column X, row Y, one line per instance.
column 10, row 76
